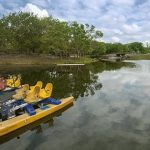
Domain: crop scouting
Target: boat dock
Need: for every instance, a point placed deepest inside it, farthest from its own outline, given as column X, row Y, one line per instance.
column 70, row 64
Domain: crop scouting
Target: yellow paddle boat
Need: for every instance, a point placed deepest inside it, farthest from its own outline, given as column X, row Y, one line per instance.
column 34, row 103
column 20, row 121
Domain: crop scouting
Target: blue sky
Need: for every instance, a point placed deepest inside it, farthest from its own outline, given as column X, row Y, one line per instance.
column 119, row 20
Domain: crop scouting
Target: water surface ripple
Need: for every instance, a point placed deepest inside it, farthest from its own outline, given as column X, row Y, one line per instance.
column 111, row 111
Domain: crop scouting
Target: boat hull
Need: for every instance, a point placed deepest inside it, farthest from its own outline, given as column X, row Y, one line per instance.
column 23, row 120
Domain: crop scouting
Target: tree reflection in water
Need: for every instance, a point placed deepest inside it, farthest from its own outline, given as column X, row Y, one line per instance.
column 78, row 81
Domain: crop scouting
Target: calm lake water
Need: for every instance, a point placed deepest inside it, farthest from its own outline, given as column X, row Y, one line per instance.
column 111, row 109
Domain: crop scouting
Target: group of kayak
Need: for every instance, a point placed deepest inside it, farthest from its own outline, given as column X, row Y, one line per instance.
column 26, row 92
column 25, row 97
column 32, row 94
column 34, row 102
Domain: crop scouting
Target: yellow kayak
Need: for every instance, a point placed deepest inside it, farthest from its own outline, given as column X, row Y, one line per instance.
column 18, row 122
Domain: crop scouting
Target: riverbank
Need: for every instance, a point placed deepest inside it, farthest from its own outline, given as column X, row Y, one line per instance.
column 128, row 57
column 41, row 60
column 139, row 57
column 49, row 60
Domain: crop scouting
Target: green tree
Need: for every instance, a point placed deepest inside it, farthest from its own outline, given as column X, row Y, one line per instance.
column 99, row 49
column 136, row 47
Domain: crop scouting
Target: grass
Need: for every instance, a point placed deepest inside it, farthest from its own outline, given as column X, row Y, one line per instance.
column 140, row 57
column 41, row 60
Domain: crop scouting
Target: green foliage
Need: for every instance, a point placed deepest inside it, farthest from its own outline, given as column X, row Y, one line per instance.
column 136, row 47
column 99, row 48
column 26, row 33
column 22, row 32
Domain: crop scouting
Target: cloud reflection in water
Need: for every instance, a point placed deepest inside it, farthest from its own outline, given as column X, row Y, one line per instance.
column 116, row 117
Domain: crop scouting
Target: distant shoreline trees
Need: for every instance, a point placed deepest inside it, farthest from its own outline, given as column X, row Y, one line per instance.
column 25, row 33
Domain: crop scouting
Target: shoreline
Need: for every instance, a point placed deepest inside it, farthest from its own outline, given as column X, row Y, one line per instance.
column 139, row 57
column 29, row 60
column 42, row 60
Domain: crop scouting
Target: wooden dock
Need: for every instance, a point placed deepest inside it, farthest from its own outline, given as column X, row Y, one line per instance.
column 70, row 64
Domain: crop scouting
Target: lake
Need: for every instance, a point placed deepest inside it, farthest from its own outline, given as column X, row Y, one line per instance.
column 111, row 109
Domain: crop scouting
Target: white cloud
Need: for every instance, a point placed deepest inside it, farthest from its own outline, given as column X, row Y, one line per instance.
column 115, row 39
column 35, row 10
column 130, row 29
column 123, row 3
column 128, row 20
column 40, row 3
column 117, row 31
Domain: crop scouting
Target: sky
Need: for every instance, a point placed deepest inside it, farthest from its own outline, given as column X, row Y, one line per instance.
column 120, row 20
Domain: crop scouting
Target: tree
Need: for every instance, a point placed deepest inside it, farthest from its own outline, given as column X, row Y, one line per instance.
column 136, row 47
column 99, row 49
column 24, row 31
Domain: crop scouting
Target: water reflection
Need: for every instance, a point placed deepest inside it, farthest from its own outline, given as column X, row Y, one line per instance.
column 111, row 111
column 78, row 81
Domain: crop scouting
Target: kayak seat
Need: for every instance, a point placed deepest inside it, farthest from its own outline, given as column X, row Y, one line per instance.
column 23, row 89
column 32, row 97
column 39, row 83
column 19, row 96
column 21, row 93
column 46, row 92
column 11, row 80
column 14, row 82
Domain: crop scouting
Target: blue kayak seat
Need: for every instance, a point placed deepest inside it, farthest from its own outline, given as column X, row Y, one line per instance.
column 30, row 110
column 51, row 101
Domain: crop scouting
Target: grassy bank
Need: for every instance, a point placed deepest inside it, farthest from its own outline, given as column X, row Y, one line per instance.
column 41, row 60
column 139, row 57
